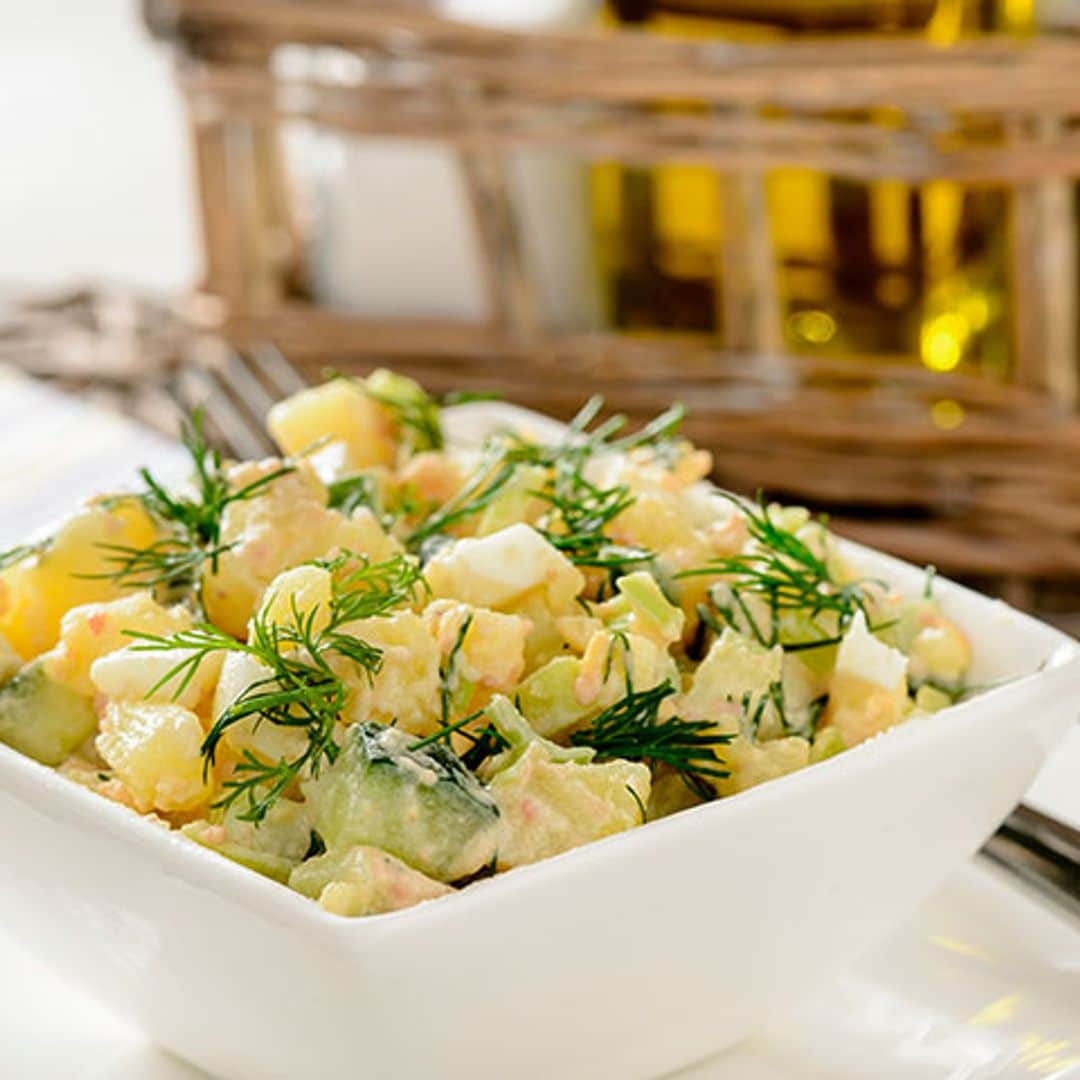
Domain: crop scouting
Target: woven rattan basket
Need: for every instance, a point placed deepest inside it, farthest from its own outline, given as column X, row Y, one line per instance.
column 997, row 496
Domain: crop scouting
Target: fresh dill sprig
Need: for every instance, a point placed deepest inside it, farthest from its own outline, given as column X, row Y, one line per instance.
column 198, row 518
column 632, row 729
column 363, row 589
column 352, row 492
column 580, row 509
column 442, row 734
column 416, row 411
column 302, row 690
column 928, row 584
column 16, row 554
column 495, row 472
column 193, row 521
column 783, row 571
column 486, row 743
column 448, row 671
column 166, row 562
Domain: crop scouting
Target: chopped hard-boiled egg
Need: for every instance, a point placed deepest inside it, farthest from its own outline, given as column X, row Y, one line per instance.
column 868, row 688
column 494, row 571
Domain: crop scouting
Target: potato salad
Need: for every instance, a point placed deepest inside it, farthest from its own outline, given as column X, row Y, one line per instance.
column 383, row 665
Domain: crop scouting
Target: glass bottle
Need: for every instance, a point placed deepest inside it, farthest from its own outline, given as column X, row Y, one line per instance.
column 845, row 267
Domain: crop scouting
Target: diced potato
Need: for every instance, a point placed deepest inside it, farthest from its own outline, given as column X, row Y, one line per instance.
column 362, row 534
column 297, row 593
column 828, row 742
column 492, row 652
column 652, row 522
column 285, row 525
column 734, row 667
column 859, row 708
column 548, row 807
column 433, row 478
column 340, row 411
column 130, row 675
column 36, row 592
column 940, row 650
column 670, row 794
column 937, row 648
column 92, row 631
column 405, row 690
column 155, row 751
column 363, row 881
column 497, row 570
column 611, row 661
column 751, row 763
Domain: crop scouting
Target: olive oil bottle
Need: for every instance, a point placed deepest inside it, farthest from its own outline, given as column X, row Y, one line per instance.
column 826, row 264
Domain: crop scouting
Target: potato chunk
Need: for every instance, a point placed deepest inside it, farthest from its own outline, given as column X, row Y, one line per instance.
column 155, row 752
column 492, row 652
column 92, row 631
column 36, row 592
column 552, row 806
column 285, row 525
column 339, row 410
column 405, row 689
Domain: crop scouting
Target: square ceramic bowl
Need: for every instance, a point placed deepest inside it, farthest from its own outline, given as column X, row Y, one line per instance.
column 625, row 958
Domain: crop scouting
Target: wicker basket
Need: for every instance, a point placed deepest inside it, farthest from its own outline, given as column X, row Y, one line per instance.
column 998, row 496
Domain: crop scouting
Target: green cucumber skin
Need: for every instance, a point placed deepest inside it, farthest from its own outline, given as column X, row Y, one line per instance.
column 421, row 806
column 44, row 719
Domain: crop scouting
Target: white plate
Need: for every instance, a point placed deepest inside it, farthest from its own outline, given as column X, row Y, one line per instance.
column 636, row 954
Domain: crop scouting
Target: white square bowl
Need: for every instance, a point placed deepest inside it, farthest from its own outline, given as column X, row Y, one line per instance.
column 625, row 958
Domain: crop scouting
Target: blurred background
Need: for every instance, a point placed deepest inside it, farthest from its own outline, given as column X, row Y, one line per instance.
column 844, row 232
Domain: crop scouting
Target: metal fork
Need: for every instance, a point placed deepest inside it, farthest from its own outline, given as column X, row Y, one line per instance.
column 1040, row 851
column 236, row 394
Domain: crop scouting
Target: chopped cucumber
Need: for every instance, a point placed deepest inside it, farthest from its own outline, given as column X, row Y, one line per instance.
column 277, row 867
column 547, row 699
column 649, row 603
column 422, row 805
column 44, row 719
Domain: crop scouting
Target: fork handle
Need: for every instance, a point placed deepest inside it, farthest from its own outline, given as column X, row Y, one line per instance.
column 1042, row 852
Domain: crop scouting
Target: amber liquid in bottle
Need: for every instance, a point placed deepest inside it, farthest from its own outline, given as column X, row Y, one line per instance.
column 881, row 268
